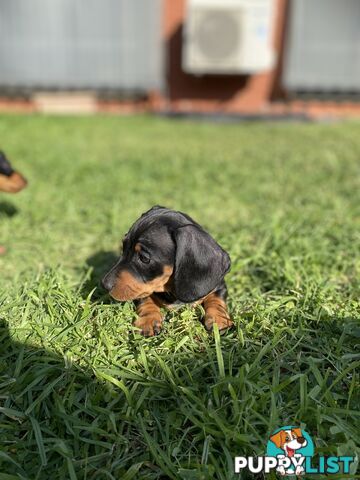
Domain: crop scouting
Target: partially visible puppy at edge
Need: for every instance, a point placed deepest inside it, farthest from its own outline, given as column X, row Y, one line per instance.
column 11, row 181
column 168, row 259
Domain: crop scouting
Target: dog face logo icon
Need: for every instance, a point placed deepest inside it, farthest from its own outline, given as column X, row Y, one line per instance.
column 290, row 445
column 289, row 441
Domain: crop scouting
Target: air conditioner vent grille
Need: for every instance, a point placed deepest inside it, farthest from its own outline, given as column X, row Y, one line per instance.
column 218, row 34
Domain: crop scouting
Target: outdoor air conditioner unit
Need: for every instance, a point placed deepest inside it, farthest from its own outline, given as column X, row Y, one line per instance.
column 228, row 37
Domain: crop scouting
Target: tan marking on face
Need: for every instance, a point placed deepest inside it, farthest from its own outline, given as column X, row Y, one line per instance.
column 297, row 432
column 128, row 287
column 137, row 248
column 12, row 184
column 216, row 312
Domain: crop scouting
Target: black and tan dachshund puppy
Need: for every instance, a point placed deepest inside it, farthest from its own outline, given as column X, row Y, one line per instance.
column 10, row 181
column 168, row 260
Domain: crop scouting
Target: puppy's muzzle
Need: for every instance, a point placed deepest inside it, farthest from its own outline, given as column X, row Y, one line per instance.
column 108, row 281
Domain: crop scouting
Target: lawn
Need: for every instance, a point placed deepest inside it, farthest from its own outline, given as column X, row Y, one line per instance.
column 82, row 394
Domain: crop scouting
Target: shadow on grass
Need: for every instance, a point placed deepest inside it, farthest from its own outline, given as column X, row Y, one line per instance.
column 97, row 265
column 33, row 380
column 60, row 420
column 155, row 410
column 7, row 209
column 56, row 418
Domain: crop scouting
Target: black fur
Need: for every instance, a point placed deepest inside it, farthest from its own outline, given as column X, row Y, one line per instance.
column 5, row 167
column 172, row 238
column 200, row 263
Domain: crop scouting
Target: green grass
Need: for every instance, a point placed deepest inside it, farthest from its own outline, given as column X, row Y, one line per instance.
column 82, row 395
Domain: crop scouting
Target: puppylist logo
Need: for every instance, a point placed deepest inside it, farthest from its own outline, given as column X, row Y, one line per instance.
column 290, row 451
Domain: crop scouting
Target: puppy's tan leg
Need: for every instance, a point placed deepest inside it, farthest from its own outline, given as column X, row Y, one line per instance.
column 216, row 312
column 150, row 319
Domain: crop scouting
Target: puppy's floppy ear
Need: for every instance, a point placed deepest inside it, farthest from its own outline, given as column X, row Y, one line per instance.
column 277, row 438
column 200, row 263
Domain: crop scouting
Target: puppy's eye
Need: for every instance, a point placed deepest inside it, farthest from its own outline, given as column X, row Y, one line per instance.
column 287, row 438
column 144, row 257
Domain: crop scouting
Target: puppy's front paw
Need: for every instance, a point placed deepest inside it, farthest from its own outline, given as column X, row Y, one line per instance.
column 222, row 320
column 216, row 312
column 149, row 326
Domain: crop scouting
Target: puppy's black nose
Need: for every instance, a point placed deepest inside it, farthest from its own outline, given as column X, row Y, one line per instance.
column 107, row 282
column 301, row 440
